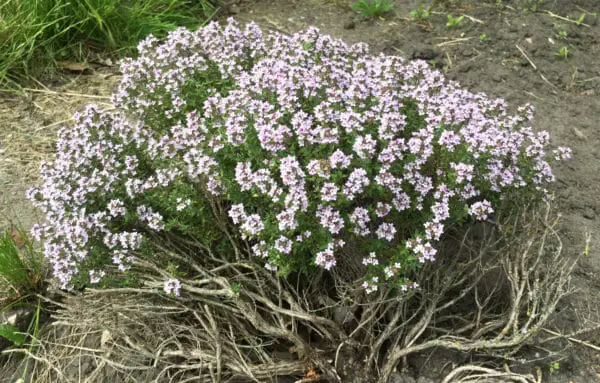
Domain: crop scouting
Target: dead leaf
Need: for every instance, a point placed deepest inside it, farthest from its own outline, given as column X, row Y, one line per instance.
column 75, row 67
column 17, row 237
column 312, row 374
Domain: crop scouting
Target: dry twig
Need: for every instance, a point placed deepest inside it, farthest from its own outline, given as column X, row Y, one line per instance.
column 490, row 291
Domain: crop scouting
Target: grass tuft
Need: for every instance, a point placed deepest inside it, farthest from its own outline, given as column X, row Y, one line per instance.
column 373, row 8
column 21, row 266
column 35, row 34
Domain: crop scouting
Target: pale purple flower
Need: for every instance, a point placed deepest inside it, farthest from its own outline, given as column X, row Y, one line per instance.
column 236, row 213
column 401, row 202
column 424, row 251
column 287, row 220
column 383, row 209
column 356, row 183
column 153, row 219
column 291, row 172
column 371, row 259
column 433, row 230
column 318, row 168
column 260, row 249
column 182, row 204
column 371, row 285
column 409, row 286
column 441, row 210
column 481, row 210
column 96, row 275
column 365, row 146
column 172, row 287
column 122, row 259
column 244, row 175
column 283, row 245
column 464, row 172
column 339, row 160
column 360, row 219
column 329, row 191
column 330, row 219
column 252, row 225
column 562, row 153
column 326, row 258
column 392, row 270
column 386, row 231
column 449, row 140
column 37, row 232
column 116, row 208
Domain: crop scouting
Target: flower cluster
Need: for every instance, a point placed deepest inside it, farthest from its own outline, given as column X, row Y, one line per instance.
column 172, row 286
column 311, row 144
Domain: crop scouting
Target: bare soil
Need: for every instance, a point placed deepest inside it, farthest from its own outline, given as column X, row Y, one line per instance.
column 516, row 60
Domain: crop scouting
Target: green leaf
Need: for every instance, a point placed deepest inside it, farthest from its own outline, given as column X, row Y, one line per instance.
column 12, row 333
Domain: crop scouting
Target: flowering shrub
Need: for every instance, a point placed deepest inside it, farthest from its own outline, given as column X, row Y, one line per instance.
column 309, row 144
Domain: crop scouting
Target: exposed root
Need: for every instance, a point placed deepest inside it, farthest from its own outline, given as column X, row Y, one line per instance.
column 470, row 373
column 490, row 293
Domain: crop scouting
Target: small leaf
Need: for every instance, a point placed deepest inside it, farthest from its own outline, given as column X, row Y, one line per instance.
column 12, row 333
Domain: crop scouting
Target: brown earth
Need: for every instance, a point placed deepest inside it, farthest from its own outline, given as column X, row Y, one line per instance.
column 516, row 60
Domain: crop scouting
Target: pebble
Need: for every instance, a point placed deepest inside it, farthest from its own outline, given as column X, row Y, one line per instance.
column 233, row 9
column 589, row 213
column 466, row 67
column 578, row 133
column 401, row 378
column 349, row 24
column 424, row 53
column 468, row 53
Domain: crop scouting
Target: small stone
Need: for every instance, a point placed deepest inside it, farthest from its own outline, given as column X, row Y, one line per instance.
column 233, row 9
column 350, row 24
column 466, row 67
column 468, row 53
column 401, row 378
column 578, row 133
column 424, row 53
column 496, row 78
column 589, row 213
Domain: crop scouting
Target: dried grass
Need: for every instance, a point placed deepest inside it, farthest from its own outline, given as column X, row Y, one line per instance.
column 28, row 132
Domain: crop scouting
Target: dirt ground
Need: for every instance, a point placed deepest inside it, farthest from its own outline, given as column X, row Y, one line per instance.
column 501, row 50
